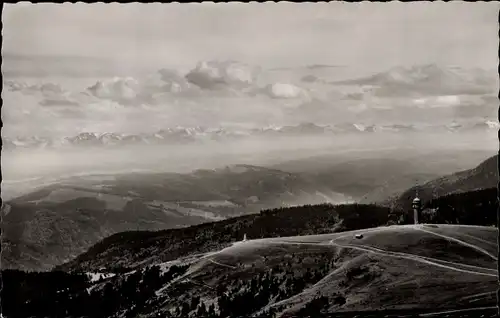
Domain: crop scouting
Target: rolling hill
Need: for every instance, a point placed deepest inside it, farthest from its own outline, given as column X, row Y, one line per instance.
column 484, row 176
column 434, row 270
column 374, row 177
column 55, row 223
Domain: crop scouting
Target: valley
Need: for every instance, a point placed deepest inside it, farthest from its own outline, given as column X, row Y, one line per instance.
column 72, row 214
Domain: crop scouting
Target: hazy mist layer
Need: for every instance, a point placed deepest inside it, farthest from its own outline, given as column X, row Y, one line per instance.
column 23, row 170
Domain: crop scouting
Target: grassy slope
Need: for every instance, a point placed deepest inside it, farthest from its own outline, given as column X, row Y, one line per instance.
column 431, row 271
column 402, row 279
column 436, row 267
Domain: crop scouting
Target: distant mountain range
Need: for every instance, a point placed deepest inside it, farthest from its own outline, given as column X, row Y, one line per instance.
column 181, row 135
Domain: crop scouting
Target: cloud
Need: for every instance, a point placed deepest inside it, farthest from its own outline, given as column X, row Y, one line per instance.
column 157, row 88
column 49, row 94
column 438, row 101
column 448, row 100
column 115, row 89
column 165, row 80
column 285, row 91
column 46, row 89
column 213, row 75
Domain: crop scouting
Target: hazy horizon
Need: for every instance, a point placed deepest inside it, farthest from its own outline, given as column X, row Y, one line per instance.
column 72, row 69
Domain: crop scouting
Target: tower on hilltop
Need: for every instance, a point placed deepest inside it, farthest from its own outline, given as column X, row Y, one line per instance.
column 417, row 208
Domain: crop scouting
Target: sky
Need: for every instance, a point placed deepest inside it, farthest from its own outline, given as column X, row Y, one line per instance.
column 367, row 35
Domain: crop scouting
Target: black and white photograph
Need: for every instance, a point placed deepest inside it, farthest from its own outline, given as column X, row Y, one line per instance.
column 237, row 160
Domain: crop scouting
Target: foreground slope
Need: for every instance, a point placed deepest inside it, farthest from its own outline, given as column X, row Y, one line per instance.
column 398, row 267
column 424, row 268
